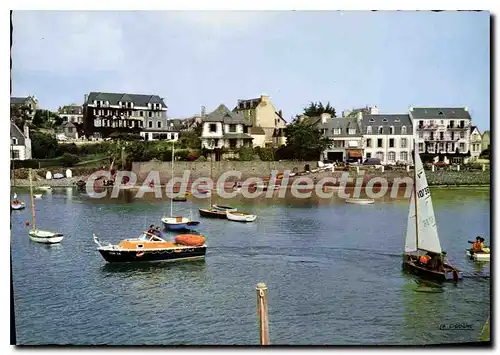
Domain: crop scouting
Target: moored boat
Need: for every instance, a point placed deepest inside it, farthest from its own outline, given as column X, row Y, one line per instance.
column 224, row 208
column 240, row 216
column 179, row 223
column 17, row 205
column 44, row 187
column 37, row 196
column 179, row 199
column 39, row 235
column 422, row 234
column 360, row 201
column 45, row 237
column 152, row 248
column 213, row 213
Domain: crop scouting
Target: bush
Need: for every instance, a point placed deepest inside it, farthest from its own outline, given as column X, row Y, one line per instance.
column 68, row 160
column 245, row 154
column 201, row 158
column 266, row 154
column 181, row 155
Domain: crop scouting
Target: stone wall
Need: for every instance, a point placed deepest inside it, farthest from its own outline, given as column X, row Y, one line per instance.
column 202, row 169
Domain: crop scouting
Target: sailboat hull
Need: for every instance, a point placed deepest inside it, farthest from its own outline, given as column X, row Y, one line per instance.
column 181, row 226
column 45, row 237
column 450, row 273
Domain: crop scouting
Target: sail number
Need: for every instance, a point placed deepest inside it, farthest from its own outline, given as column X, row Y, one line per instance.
column 428, row 222
column 424, row 192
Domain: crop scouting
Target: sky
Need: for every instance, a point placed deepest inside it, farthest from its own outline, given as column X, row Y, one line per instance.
column 204, row 58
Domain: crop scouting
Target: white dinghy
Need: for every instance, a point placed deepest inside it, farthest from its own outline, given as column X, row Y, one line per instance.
column 240, row 216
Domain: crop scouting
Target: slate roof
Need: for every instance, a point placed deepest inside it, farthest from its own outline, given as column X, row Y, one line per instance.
column 344, row 123
column 248, row 104
column 386, row 121
column 310, row 121
column 440, row 112
column 18, row 100
column 16, row 132
column 114, row 98
column 71, row 110
column 222, row 114
column 472, row 128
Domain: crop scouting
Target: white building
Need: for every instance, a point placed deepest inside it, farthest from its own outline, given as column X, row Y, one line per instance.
column 20, row 143
column 475, row 143
column 442, row 131
column 71, row 113
column 225, row 129
column 387, row 137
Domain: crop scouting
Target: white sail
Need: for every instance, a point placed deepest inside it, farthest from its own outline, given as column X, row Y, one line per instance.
column 428, row 238
column 411, row 235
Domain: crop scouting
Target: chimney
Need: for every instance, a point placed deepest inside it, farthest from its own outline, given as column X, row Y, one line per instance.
column 85, row 98
column 374, row 110
column 411, row 108
column 466, row 109
column 360, row 116
column 264, row 98
column 203, row 111
column 26, row 131
column 324, row 117
column 280, row 113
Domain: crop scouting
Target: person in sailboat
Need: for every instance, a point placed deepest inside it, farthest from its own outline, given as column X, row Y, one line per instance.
column 425, row 259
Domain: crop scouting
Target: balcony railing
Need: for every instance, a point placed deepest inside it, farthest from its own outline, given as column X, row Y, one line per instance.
column 459, row 127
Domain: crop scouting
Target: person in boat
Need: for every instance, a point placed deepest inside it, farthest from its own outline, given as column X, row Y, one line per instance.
column 425, row 259
column 157, row 232
column 476, row 246
column 152, row 229
column 484, row 249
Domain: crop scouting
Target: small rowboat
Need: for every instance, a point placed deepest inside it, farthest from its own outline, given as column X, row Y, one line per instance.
column 45, row 237
column 179, row 199
column 17, row 205
column 38, row 196
column 360, row 201
column 213, row 213
column 478, row 255
column 224, row 208
column 240, row 216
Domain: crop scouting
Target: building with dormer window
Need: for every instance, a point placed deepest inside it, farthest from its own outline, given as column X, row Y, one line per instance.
column 225, row 129
column 105, row 113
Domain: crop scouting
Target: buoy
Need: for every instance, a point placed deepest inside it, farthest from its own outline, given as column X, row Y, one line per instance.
column 27, row 223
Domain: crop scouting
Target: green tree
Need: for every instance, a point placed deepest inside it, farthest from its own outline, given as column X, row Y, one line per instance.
column 317, row 108
column 191, row 139
column 20, row 114
column 486, row 154
column 47, row 119
column 306, row 142
column 43, row 146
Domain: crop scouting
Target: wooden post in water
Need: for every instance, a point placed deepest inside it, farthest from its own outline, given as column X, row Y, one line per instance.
column 262, row 313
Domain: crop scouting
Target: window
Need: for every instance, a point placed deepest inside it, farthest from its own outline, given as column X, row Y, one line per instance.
column 213, row 127
column 369, row 130
column 380, row 129
column 15, row 154
column 420, row 124
column 384, row 119
column 462, row 134
column 232, row 143
column 397, row 119
column 232, row 128
column 421, row 147
column 141, row 113
column 421, row 135
column 391, row 156
column 159, row 124
column 391, row 130
column 403, row 130
column 403, row 156
column 380, row 155
column 404, row 142
column 441, row 146
column 150, row 114
column 391, row 143
column 140, row 124
column 462, row 147
column 379, row 143
column 442, row 121
column 368, row 155
column 372, row 119
column 441, row 136
column 368, row 143
column 150, row 124
column 14, row 140
column 352, row 131
column 452, row 135
column 337, row 131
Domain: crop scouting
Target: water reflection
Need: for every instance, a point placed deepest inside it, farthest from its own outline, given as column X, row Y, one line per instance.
column 151, row 269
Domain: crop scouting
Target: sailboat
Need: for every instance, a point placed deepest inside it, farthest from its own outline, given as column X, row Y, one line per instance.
column 16, row 204
column 177, row 223
column 214, row 211
column 422, row 234
column 38, row 235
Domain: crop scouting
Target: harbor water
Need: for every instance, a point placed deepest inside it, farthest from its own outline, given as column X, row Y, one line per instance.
column 333, row 271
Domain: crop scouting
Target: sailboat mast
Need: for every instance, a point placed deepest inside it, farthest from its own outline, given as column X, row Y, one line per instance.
column 172, row 179
column 32, row 201
column 415, row 193
column 210, row 196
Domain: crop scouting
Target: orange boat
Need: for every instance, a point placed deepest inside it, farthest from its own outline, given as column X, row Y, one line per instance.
column 150, row 247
